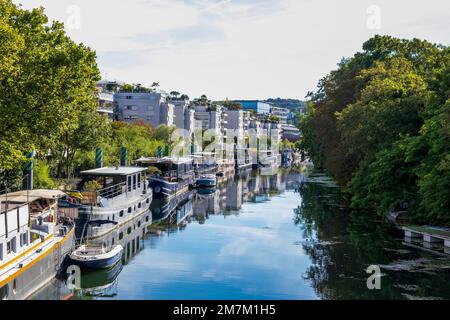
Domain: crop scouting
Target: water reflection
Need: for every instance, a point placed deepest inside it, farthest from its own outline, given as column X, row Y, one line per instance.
column 341, row 246
column 282, row 236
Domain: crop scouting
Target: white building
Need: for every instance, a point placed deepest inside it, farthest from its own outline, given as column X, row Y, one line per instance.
column 183, row 115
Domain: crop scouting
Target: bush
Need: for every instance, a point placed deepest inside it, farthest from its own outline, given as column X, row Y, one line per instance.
column 41, row 176
column 153, row 171
column 92, row 186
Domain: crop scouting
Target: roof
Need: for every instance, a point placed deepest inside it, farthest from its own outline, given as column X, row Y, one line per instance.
column 25, row 196
column 113, row 171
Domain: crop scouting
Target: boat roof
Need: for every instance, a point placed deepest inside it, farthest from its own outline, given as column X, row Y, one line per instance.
column 26, row 196
column 153, row 160
column 113, row 171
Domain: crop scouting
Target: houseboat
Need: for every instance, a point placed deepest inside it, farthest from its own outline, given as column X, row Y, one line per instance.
column 34, row 241
column 122, row 194
column 168, row 176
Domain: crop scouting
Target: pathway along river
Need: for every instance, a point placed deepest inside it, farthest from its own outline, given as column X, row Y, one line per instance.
column 286, row 236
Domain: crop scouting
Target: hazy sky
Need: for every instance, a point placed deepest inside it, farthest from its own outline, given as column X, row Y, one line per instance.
column 240, row 49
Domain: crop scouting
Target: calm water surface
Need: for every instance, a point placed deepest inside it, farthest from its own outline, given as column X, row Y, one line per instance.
column 287, row 236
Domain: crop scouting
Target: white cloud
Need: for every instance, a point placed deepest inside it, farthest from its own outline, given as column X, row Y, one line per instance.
column 239, row 48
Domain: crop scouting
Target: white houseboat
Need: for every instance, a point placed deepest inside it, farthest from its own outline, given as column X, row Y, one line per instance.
column 124, row 195
column 34, row 241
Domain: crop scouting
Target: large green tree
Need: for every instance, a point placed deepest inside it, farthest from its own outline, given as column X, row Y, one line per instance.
column 47, row 81
column 379, row 125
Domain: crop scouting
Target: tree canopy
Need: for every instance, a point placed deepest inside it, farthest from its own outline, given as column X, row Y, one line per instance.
column 379, row 125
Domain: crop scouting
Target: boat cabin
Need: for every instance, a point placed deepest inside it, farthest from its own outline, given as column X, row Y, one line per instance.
column 111, row 182
column 170, row 169
column 22, row 212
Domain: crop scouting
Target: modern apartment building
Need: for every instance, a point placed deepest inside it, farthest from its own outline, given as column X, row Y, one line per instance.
column 183, row 115
column 255, row 105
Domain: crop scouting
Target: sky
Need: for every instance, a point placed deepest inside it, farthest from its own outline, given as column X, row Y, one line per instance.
column 238, row 49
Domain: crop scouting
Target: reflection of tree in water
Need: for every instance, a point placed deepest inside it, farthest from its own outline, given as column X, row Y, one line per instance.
column 341, row 246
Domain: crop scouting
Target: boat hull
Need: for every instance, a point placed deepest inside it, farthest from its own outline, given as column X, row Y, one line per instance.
column 206, row 183
column 100, row 263
column 164, row 189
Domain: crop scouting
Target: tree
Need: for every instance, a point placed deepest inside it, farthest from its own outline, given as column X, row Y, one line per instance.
column 174, row 94
column 232, row 105
column 379, row 124
column 127, row 88
column 46, row 82
column 274, row 119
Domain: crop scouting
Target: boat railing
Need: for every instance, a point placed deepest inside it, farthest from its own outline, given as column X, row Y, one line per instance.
column 91, row 197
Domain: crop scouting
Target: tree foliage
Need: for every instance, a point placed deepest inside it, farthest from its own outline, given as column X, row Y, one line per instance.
column 379, row 125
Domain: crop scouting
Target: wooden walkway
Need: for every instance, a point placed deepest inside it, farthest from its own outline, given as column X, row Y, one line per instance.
column 432, row 237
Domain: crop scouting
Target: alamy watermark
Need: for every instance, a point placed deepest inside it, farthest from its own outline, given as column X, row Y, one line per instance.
column 374, row 280
column 374, row 17
column 73, row 21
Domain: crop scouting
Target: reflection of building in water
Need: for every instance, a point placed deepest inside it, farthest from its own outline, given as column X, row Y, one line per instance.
column 275, row 183
column 234, row 195
column 206, row 204
column 129, row 236
column 162, row 208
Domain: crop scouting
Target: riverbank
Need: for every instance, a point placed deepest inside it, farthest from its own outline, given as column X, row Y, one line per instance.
column 286, row 236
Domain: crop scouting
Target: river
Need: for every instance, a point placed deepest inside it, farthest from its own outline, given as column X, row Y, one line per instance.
column 286, row 236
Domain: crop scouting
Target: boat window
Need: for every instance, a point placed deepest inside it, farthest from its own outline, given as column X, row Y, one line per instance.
column 134, row 182
column 15, row 286
column 4, row 292
column 139, row 224
column 121, row 213
column 121, row 236
column 146, row 218
column 1, row 251
column 148, row 200
column 129, row 183
column 139, row 205
column 114, row 217
column 139, row 180
column 129, row 210
column 129, row 230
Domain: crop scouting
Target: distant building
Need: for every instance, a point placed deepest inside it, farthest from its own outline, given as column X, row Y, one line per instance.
column 213, row 119
column 290, row 132
column 151, row 107
column 105, row 104
column 235, row 121
column 255, row 105
column 183, row 115
column 281, row 113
